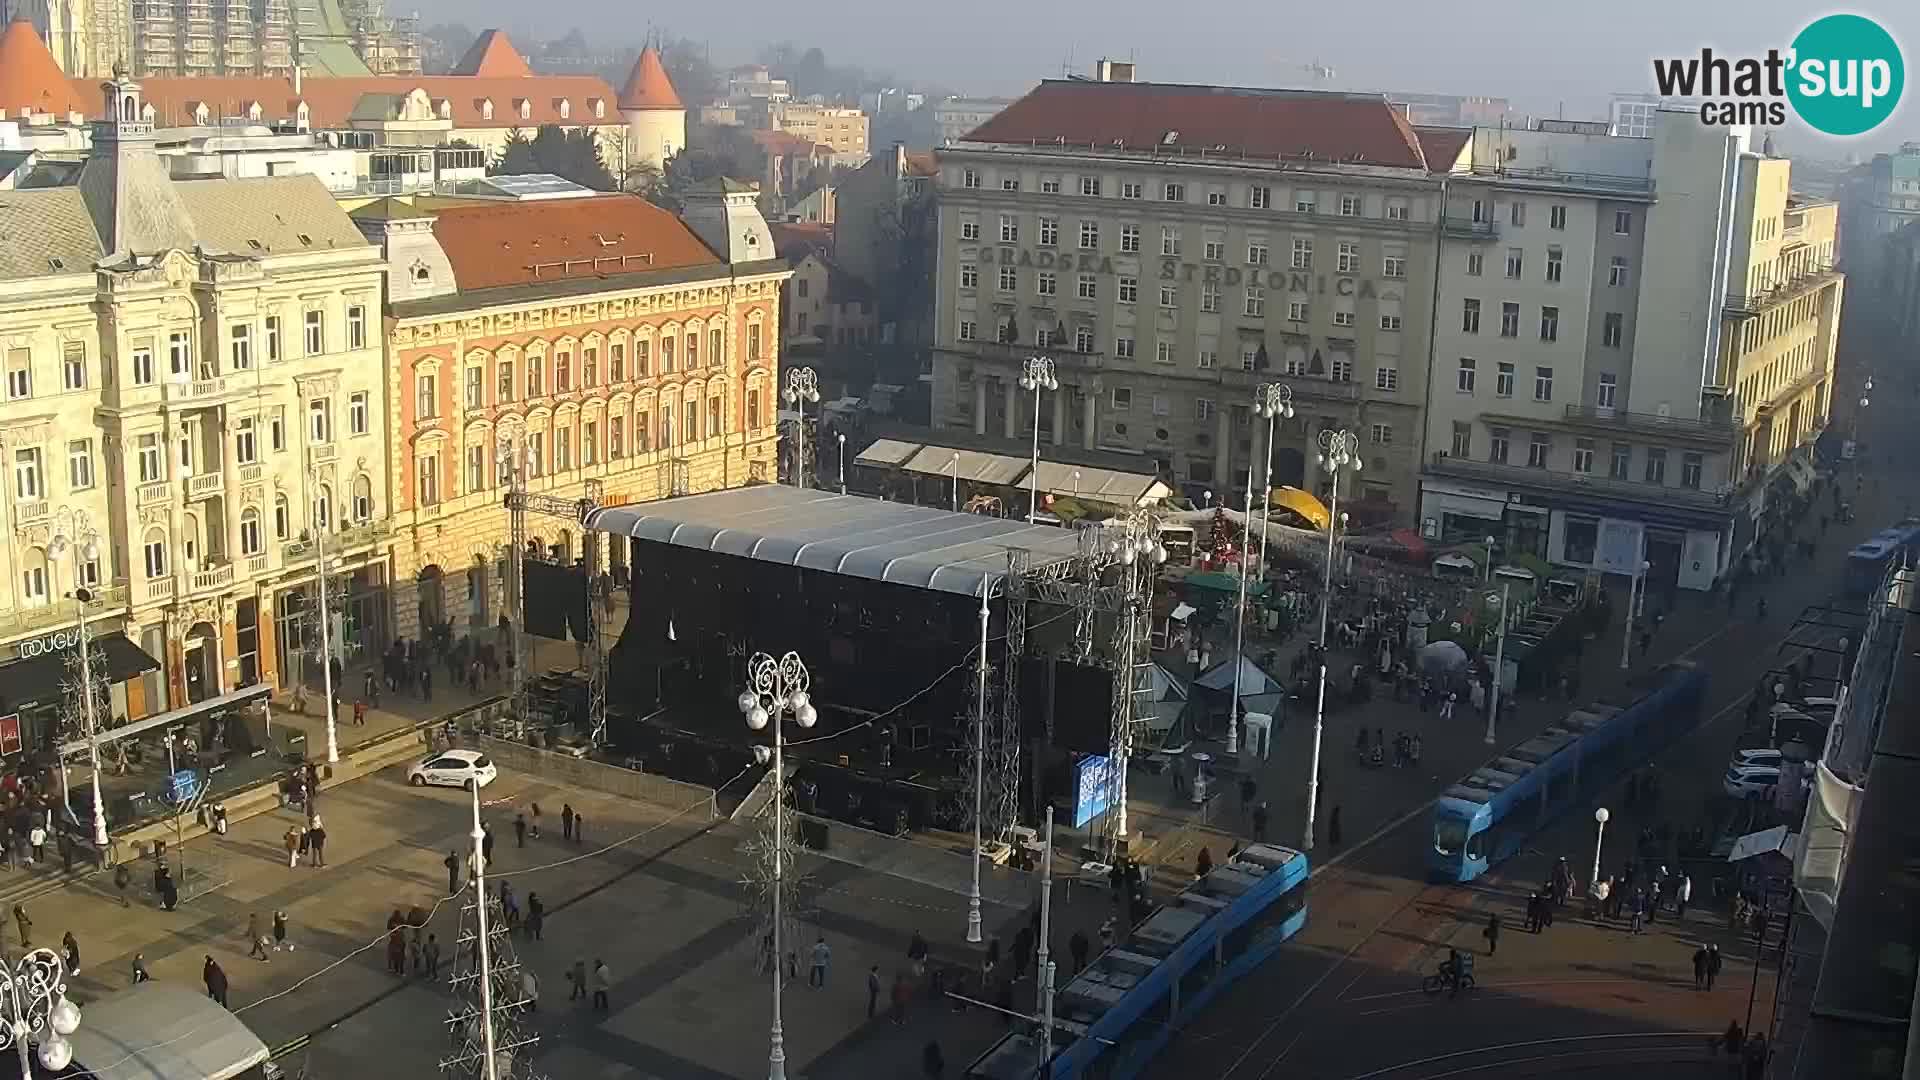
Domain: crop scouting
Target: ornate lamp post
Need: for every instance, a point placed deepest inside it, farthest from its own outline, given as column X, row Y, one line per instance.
column 1036, row 376
column 35, row 1007
column 74, row 534
column 778, row 688
column 803, row 385
column 1339, row 453
column 322, row 515
column 1499, row 663
column 1274, row 402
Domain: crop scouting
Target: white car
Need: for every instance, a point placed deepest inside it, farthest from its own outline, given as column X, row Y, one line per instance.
column 453, row 768
column 1750, row 781
column 1761, row 756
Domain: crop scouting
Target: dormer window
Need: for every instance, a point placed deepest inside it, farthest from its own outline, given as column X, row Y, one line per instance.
column 486, row 108
column 255, row 112
column 201, row 113
column 599, row 108
column 421, row 275
column 147, row 113
column 301, row 116
column 525, row 107
column 445, row 109
column 564, row 107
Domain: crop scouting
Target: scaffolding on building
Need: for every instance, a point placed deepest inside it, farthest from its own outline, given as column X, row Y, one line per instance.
column 170, row 38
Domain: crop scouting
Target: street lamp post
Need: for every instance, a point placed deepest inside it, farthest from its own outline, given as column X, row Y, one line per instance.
column 1274, row 402
column 1499, row 666
column 803, row 385
column 1240, row 617
column 1599, row 836
column 1635, row 586
column 1037, row 376
column 1339, row 453
column 1486, row 572
column 74, row 533
column 842, row 437
column 955, row 466
column 36, row 1006
column 322, row 518
column 1866, row 388
column 778, row 689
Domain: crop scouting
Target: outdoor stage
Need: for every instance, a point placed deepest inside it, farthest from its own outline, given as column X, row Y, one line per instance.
column 883, row 602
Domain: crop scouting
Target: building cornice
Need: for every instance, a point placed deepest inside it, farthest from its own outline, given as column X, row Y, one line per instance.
column 1270, row 170
column 644, row 291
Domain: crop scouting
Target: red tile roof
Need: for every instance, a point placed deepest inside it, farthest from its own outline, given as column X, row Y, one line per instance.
column 30, row 78
column 496, row 244
column 491, row 55
column 787, row 144
column 923, row 163
column 648, row 86
column 794, row 239
column 1291, row 124
column 1442, row 145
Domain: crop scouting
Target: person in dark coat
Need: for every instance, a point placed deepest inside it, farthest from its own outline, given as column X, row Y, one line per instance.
column 216, row 981
column 1333, row 827
column 1492, row 933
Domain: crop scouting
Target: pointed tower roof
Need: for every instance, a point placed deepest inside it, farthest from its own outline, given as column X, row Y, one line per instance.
column 494, row 57
column 648, row 86
column 30, row 77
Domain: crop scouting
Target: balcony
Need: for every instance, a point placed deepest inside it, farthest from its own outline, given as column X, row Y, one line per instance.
column 205, row 484
column 196, row 389
column 1444, row 464
column 1716, row 430
column 322, row 453
column 258, row 564
column 339, row 542
column 1466, row 228
column 27, row 620
column 157, row 589
column 250, row 474
column 213, row 580
column 1809, row 280
column 152, row 494
column 31, row 511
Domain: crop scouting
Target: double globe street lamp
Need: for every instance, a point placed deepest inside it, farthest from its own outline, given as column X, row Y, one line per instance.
column 1272, row 402
column 74, row 534
column 803, row 385
column 777, row 689
column 36, row 1009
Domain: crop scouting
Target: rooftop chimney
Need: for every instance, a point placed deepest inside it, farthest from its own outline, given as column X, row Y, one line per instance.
column 1113, row 71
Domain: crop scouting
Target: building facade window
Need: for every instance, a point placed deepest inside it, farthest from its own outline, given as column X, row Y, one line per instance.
column 1503, row 380
column 1539, row 449
column 1462, row 439
column 1656, row 466
column 1470, row 316
column 1603, row 394
column 1465, row 376
column 357, row 327
column 1549, row 324
column 1583, row 455
column 316, row 332
column 1497, row 442
column 1543, row 384
column 1509, row 320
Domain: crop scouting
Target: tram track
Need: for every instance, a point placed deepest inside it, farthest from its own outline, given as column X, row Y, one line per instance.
column 1554, row 1057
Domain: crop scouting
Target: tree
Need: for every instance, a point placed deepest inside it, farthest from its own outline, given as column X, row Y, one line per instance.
column 516, row 156
column 693, row 76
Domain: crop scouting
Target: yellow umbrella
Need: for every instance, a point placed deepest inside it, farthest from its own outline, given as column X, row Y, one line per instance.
column 1302, row 503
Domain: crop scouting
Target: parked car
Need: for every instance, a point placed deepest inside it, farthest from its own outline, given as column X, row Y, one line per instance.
column 1761, row 756
column 453, row 768
column 1750, row 781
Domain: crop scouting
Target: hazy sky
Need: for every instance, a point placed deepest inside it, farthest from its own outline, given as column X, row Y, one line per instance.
column 1539, row 53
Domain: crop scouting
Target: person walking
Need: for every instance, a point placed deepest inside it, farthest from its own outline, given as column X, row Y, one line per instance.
column 533, row 826
column 822, row 953
column 122, row 877
column 416, row 953
column 932, row 1061
column 1446, row 706
column 577, row 978
column 1597, row 895
column 1639, row 909
column 519, row 830
column 70, row 948
column 566, row 822
column 1333, row 827
column 486, row 843
column 397, row 951
column 1713, row 964
column 452, row 863
column 216, row 981
column 140, row 973
column 1682, row 893
column 536, row 916
column 25, row 924
column 256, row 941
column 1077, row 948
column 280, row 942
column 1203, row 865
column 1492, row 933
column 293, row 840
column 530, row 989
column 873, row 989
column 430, row 952
column 1260, row 823
column 317, row 843
column 602, row 982
column 900, row 993
column 1700, row 961
column 579, row 828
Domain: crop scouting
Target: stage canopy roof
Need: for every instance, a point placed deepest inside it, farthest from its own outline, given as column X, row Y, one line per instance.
column 1108, row 486
column 918, row 546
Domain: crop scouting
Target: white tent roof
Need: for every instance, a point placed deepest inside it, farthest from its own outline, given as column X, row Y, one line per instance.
column 1760, row 843
column 886, row 452
column 1101, row 485
column 976, row 466
column 1252, row 680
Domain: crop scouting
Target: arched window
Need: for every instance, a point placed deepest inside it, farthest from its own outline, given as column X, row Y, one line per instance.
column 156, row 552
column 129, row 112
column 33, row 578
column 323, row 507
column 251, row 542
column 362, row 499
column 282, row 518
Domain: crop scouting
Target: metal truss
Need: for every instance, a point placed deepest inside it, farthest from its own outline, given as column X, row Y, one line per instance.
column 1002, row 802
column 520, row 503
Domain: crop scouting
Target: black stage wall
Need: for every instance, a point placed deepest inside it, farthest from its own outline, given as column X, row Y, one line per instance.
column 696, row 617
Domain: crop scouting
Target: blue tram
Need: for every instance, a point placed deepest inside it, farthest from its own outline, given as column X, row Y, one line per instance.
column 1121, row 1010
column 1869, row 560
column 1489, row 815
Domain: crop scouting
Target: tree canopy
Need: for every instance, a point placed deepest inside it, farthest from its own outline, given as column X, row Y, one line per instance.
column 572, row 155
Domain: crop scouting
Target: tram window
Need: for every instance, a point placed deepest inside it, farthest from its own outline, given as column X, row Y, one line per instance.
column 1196, row 979
column 1525, row 814
column 1477, row 845
column 1448, row 834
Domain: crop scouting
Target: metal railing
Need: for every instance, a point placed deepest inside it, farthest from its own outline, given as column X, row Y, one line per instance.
column 1802, row 283
column 1455, row 225
column 1642, row 184
column 1445, row 464
column 340, row 541
column 1715, row 427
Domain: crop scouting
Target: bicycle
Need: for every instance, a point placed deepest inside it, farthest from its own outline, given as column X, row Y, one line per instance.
column 1437, row 982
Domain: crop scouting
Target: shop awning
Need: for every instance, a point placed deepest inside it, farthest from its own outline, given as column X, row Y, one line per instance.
column 976, row 466
column 184, row 715
column 41, row 680
column 887, row 452
column 1091, row 484
column 1302, row 503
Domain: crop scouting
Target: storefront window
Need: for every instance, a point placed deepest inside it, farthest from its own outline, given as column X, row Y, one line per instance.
column 1583, row 537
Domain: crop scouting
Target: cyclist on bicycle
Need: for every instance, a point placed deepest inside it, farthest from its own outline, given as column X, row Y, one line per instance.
column 1457, row 966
